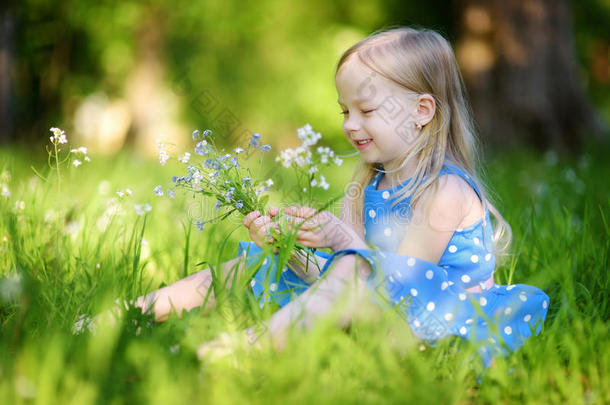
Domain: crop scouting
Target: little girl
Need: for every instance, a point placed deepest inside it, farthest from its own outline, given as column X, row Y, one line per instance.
column 416, row 219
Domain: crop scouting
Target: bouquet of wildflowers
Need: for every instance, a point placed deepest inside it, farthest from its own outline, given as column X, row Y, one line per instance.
column 225, row 177
column 228, row 178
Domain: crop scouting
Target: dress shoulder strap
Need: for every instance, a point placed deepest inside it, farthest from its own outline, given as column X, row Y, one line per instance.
column 451, row 168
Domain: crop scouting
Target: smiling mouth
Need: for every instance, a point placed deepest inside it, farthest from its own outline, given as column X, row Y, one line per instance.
column 363, row 141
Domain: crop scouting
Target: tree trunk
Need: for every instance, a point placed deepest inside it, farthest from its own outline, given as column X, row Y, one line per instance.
column 7, row 59
column 520, row 67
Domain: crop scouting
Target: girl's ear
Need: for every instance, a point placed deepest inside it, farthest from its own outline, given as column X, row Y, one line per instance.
column 425, row 107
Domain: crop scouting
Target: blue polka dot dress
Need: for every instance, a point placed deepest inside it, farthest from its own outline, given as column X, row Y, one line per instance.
column 456, row 297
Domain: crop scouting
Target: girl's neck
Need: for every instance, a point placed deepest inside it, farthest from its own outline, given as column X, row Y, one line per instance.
column 394, row 174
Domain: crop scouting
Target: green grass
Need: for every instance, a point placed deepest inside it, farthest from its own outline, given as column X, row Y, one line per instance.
column 57, row 261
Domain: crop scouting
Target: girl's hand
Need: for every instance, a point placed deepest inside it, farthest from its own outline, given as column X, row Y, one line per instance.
column 259, row 226
column 321, row 229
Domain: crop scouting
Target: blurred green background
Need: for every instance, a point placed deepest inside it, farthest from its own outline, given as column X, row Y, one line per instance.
column 120, row 74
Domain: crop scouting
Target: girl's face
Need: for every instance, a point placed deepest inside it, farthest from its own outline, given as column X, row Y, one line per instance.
column 379, row 115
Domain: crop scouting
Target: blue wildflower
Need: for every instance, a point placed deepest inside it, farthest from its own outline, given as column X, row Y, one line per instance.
column 239, row 204
column 158, row 191
column 191, row 169
column 217, row 205
column 195, row 134
column 206, row 133
column 171, row 193
column 234, row 162
column 246, row 180
column 211, row 164
column 201, row 148
column 175, row 180
column 255, row 140
column 200, row 225
column 229, row 195
column 265, row 148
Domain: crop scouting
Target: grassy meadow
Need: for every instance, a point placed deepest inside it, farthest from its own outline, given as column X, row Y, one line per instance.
column 72, row 248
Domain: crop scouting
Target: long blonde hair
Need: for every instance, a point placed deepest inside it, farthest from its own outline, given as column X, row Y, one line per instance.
column 422, row 61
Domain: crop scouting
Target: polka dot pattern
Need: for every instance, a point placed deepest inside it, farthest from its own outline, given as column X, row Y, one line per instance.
column 451, row 298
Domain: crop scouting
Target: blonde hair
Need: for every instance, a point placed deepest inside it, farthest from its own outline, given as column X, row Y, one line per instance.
column 422, row 61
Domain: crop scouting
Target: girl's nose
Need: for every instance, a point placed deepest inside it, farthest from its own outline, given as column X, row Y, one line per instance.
column 350, row 125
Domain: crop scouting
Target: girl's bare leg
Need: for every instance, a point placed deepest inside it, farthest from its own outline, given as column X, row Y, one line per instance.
column 188, row 293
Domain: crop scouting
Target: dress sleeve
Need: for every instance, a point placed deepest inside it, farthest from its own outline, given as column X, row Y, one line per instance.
column 497, row 319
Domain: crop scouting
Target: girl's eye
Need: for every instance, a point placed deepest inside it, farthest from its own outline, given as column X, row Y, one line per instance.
column 369, row 111
column 344, row 112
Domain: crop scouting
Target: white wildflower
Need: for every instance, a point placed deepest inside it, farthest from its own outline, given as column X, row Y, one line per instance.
column 185, row 158
column 323, row 183
column 286, row 157
column 59, row 135
column 5, row 191
column 142, row 209
column 77, row 163
column 82, row 150
column 163, row 157
column 308, row 136
column 303, row 156
column 123, row 193
column 197, row 177
column 314, row 182
column 338, row 161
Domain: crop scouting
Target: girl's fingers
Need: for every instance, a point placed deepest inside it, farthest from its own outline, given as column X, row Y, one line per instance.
column 261, row 221
column 310, row 237
column 265, row 231
column 273, row 211
column 302, row 212
column 250, row 217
